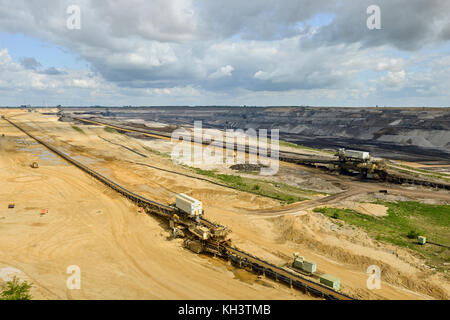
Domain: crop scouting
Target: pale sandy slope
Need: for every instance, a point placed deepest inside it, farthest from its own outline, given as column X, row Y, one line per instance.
column 122, row 255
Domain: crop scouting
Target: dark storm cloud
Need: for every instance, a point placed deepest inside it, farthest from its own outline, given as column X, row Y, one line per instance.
column 258, row 19
column 445, row 34
column 52, row 71
column 405, row 24
column 30, row 63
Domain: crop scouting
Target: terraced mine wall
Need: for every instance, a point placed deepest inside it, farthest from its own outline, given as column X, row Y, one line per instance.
column 414, row 134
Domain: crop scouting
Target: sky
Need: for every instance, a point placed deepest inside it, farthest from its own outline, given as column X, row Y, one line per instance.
column 234, row 52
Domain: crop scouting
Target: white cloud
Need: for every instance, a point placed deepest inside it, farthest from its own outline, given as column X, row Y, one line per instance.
column 5, row 58
column 395, row 79
column 229, row 51
column 225, row 71
column 262, row 75
column 394, row 65
column 21, row 82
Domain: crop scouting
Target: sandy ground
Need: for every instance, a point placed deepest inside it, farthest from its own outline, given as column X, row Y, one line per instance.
column 125, row 255
column 371, row 209
column 122, row 255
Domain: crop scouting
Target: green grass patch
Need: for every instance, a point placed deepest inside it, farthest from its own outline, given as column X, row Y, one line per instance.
column 404, row 223
column 78, row 129
column 110, row 130
column 15, row 290
column 156, row 152
column 413, row 234
column 279, row 191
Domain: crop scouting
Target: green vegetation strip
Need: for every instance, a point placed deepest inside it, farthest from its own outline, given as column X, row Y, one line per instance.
column 110, row 130
column 15, row 290
column 156, row 152
column 78, row 129
column 279, row 191
column 274, row 190
column 405, row 221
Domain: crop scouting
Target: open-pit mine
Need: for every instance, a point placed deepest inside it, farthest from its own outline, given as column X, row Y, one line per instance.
column 358, row 208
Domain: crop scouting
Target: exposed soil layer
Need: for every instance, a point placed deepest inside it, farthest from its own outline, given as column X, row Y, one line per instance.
column 414, row 134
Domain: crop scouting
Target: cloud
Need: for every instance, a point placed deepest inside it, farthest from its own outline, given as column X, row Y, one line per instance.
column 445, row 33
column 234, row 50
column 225, row 71
column 395, row 79
column 30, row 63
column 52, row 71
column 257, row 19
column 261, row 75
column 405, row 24
column 23, row 80
column 392, row 64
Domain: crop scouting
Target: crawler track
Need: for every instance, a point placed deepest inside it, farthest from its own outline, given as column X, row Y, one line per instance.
column 236, row 256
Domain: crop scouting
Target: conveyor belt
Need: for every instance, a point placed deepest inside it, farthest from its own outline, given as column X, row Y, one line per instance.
column 391, row 177
column 156, row 207
column 262, row 267
column 146, row 133
column 242, row 258
column 398, row 179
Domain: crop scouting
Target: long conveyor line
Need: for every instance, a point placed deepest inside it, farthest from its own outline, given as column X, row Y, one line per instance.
column 149, row 134
column 393, row 178
column 237, row 256
column 157, row 207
